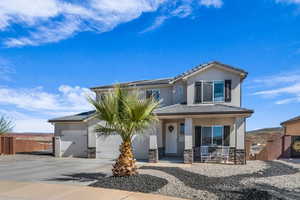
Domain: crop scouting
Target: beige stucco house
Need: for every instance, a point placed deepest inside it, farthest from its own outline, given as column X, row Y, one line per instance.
column 200, row 119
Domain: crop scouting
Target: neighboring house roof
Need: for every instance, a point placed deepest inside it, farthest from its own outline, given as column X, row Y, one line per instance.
column 184, row 109
column 166, row 81
column 291, row 120
column 75, row 118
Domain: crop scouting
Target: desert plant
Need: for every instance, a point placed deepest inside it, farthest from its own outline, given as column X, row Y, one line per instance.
column 125, row 113
column 5, row 125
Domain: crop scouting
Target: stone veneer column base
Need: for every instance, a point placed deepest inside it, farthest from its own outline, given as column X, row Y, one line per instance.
column 237, row 156
column 240, row 157
column 188, row 156
column 153, row 155
column 92, row 152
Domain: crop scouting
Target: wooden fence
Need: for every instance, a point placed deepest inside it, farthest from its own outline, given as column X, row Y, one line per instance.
column 7, row 145
column 272, row 150
column 10, row 145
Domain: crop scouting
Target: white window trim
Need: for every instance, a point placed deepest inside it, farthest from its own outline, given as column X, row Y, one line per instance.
column 213, row 91
column 212, row 135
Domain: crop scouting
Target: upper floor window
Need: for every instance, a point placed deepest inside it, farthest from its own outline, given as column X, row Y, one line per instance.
column 212, row 91
column 154, row 93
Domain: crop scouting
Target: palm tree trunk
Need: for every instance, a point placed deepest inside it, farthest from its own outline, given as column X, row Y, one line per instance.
column 125, row 165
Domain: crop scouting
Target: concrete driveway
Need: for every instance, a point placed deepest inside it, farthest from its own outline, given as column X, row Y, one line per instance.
column 35, row 168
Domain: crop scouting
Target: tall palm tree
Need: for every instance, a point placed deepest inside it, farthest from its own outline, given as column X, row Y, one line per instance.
column 126, row 114
column 5, row 125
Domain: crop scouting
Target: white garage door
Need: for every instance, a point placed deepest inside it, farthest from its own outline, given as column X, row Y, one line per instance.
column 108, row 146
column 74, row 143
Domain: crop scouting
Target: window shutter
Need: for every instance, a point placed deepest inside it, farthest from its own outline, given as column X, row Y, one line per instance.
column 226, row 136
column 227, row 90
column 197, row 136
column 198, row 92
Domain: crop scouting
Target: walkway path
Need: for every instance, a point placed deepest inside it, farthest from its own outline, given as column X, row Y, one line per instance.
column 12, row 190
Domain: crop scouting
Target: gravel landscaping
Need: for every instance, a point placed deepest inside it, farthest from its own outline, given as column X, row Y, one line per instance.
column 257, row 180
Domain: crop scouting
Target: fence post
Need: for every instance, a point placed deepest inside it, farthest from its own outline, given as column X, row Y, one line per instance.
column 0, row 145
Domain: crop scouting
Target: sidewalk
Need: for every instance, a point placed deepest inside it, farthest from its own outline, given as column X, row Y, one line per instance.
column 10, row 190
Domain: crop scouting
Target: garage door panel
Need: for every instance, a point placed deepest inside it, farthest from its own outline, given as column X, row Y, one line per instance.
column 108, row 146
column 74, row 143
column 140, row 145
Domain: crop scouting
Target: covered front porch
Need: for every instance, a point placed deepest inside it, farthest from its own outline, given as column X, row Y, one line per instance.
column 216, row 138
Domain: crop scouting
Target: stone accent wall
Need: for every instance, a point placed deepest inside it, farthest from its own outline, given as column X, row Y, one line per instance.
column 240, row 157
column 232, row 154
column 153, row 155
column 237, row 156
column 188, row 156
column 92, row 152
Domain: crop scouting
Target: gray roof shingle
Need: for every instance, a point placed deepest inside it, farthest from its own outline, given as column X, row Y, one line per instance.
column 138, row 83
column 74, row 118
column 183, row 109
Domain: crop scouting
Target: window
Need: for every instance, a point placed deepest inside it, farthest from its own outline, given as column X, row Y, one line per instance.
column 218, row 135
column 209, row 91
column 154, row 93
column 214, row 135
column 219, row 91
column 206, row 136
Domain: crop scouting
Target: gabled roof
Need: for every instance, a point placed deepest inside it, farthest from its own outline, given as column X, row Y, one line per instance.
column 166, row 81
column 200, row 109
column 291, row 120
column 207, row 65
column 74, row 118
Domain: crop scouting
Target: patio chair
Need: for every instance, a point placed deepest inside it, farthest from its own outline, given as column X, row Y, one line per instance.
column 205, row 155
column 225, row 154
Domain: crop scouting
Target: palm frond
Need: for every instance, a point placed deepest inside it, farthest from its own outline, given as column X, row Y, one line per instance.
column 124, row 112
column 5, row 125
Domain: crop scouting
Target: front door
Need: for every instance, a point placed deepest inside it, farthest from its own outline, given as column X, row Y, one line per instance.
column 295, row 146
column 171, row 138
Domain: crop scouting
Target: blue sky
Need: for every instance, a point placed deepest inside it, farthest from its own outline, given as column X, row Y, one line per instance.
column 52, row 51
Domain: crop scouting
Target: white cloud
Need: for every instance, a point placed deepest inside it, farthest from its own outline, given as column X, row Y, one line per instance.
column 283, row 86
column 26, row 123
column 68, row 100
column 288, row 1
column 6, row 69
column 46, row 21
column 212, row 3
column 31, row 108
column 157, row 23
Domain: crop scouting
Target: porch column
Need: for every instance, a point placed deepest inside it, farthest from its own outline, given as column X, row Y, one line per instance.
column 153, row 150
column 188, row 141
column 239, row 130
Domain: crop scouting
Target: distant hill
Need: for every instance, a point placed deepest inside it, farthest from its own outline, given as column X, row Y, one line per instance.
column 261, row 136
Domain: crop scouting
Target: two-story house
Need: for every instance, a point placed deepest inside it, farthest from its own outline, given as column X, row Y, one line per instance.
column 200, row 119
